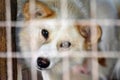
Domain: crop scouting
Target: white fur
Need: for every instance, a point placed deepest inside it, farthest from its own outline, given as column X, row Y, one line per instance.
column 31, row 39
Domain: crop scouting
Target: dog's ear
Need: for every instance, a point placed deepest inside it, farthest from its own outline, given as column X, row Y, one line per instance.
column 86, row 31
column 40, row 10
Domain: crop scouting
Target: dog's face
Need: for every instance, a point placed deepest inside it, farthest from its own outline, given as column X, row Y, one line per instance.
column 48, row 39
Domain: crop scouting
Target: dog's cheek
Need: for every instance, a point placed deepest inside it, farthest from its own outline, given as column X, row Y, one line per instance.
column 24, row 40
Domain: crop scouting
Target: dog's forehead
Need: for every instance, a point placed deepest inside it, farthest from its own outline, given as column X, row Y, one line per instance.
column 42, row 24
column 52, row 25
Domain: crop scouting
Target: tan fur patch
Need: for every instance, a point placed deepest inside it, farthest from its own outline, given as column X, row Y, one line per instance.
column 41, row 11
column 102, row 62
column 85, row 30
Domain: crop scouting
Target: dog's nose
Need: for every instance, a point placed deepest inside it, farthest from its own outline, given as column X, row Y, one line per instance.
column 43, row 62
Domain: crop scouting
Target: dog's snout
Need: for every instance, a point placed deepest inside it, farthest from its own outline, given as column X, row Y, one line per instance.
column 43, row 62
column 65, row 44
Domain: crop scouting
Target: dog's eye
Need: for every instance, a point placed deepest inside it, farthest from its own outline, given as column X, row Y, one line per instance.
column 65, row 44
column 45, row 33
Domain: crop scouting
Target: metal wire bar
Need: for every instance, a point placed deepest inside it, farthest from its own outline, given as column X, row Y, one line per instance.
column 9, row 49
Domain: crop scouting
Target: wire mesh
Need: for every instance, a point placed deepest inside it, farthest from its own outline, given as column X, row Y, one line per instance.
column 64, row 12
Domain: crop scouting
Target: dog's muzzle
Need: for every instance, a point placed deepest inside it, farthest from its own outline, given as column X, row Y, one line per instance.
column 42, row 63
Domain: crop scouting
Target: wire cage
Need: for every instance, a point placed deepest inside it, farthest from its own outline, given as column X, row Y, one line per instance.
column 11, row 69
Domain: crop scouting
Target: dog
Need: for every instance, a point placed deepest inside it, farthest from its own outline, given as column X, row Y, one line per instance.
column 46, row 36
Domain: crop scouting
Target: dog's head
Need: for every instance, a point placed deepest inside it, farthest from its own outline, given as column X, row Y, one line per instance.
column 49, row 39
